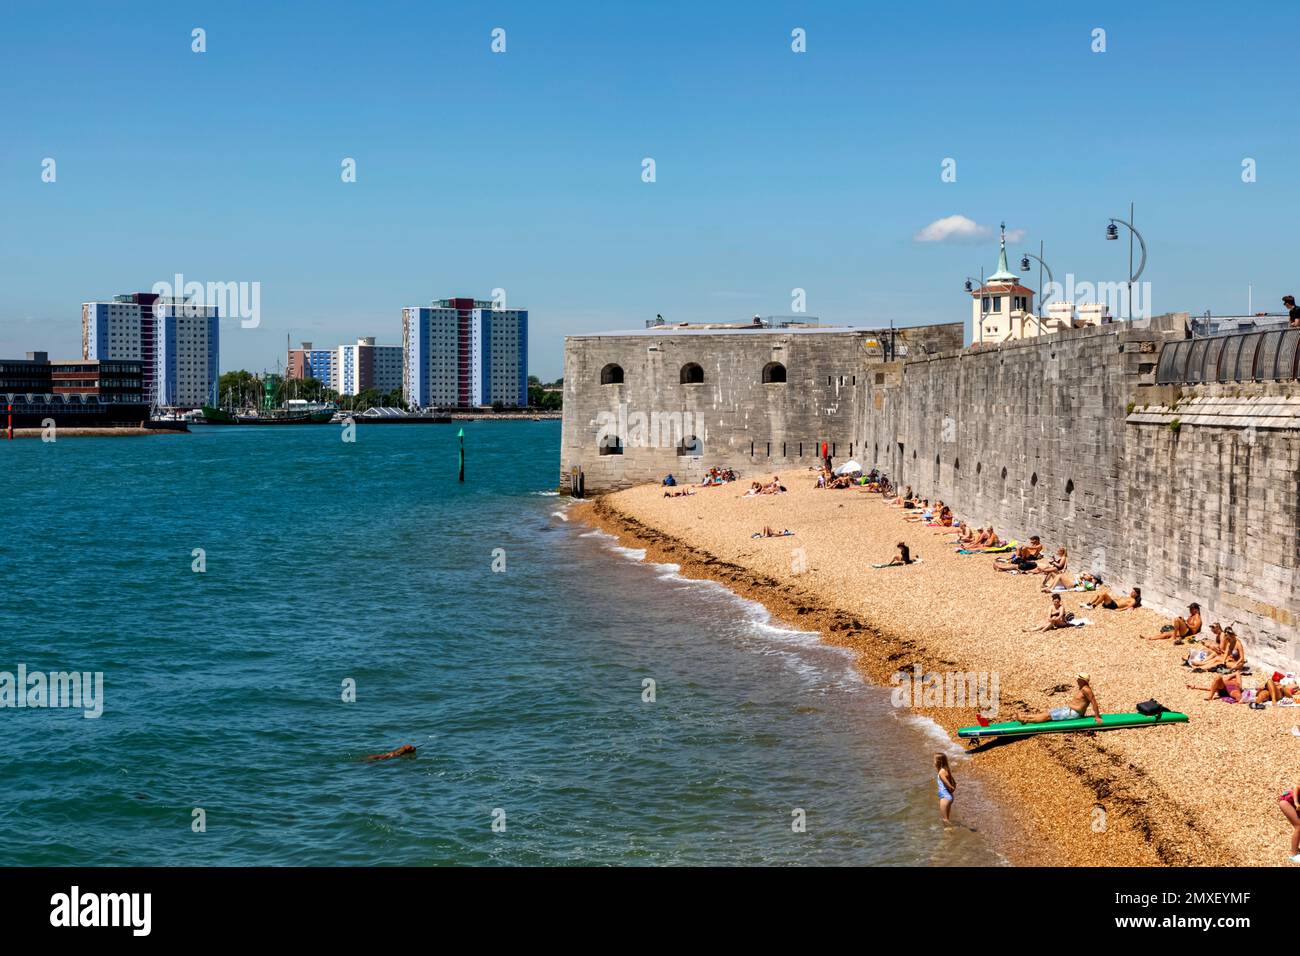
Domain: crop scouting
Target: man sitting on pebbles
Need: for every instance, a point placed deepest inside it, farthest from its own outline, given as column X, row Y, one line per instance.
column 1182, row 629
column 1025, row 558
column 1075, row 709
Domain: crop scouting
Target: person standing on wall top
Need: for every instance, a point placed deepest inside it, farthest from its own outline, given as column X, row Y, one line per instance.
column 1292, row 310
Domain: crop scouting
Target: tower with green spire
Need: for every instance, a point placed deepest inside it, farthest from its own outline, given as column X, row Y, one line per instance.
column 1003, row 308
column 1003, row 274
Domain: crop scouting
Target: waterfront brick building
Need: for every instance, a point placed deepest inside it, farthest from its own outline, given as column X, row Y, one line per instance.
column 83, row 393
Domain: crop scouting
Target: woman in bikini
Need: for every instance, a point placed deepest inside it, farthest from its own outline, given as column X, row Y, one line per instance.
column 1229, row 687
column 1208, row 647
column 1231, row 653
column 1274, row 692
column 1057, row 617
column 945, row 517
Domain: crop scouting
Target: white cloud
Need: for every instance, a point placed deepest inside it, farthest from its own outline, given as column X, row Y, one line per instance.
column 961, row 229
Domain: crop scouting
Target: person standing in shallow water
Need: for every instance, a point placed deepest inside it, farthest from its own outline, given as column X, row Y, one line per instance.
column 947, row 786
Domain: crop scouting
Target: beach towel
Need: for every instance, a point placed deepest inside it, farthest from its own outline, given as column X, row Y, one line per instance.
column 1005, row 547
column 1079, row 621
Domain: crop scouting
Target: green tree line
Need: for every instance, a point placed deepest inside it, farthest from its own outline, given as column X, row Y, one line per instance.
column 243, row 389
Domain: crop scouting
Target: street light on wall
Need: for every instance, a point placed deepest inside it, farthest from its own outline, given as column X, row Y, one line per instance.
column 1112, row 233
column 970, row 287
column 1024, row 267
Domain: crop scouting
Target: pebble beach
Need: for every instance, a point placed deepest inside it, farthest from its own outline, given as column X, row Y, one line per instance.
column 1201, row 793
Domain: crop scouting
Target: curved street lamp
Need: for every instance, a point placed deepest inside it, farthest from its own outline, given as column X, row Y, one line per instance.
column 979, row 337
column 1112, row 233
column 1024, row 267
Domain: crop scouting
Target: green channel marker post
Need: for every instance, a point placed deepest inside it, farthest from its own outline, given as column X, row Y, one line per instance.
column 461, row 435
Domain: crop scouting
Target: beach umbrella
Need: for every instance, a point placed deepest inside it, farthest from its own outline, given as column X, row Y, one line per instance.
column 848, row 468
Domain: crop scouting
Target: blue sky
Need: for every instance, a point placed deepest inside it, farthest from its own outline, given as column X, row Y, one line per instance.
column 522, row 170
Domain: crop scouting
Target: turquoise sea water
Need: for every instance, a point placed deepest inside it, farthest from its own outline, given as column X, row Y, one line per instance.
column 521, row 689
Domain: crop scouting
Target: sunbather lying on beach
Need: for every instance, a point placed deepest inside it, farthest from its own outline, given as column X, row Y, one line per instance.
column 1057, row 617
column 1276, row 691
column 1104, row 599
column 1181, row 628
column 923, row 507
column 1025, row 558
column 684, row 493
column 1077, row 706
column 769, row 532
column 1084, row 581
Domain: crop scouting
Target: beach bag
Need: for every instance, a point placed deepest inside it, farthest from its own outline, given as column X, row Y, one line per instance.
column 1152, row 708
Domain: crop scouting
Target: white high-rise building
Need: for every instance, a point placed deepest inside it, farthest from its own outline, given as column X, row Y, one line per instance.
column 464, row 352
column 177, row 343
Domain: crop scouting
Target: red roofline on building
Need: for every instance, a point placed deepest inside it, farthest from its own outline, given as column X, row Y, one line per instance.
column 1002, row 290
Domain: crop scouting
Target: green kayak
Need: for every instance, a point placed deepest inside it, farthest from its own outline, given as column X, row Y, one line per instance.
column 1108, row 722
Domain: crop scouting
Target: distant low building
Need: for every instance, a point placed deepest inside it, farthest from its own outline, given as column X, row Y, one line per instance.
column 308, row 362
column 366, row 365
column 83, row 393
